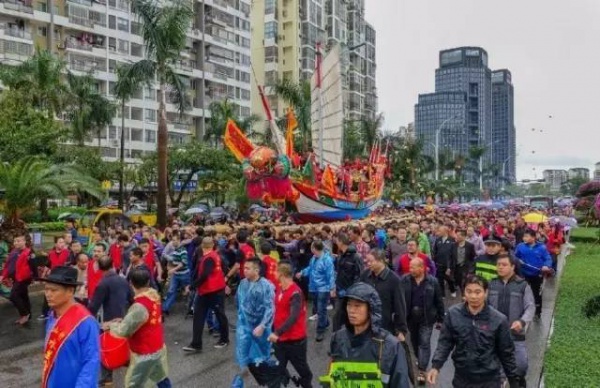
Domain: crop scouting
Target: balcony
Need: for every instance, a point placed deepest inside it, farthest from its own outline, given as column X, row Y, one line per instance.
column 74, row 43
column 87, row 3
column 14, row 31
column 85, row 22
column 185, row 65
column 19, row 6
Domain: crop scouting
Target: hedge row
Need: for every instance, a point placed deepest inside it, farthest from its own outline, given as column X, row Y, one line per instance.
column 55, row 226
column 53, row 213
column 573, row 358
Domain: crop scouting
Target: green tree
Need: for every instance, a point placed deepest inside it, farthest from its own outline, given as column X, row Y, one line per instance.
column 298, row 96
column 40, row 77
column 25, row 130
column 222, row 111
column 352, row 143
column 89, row 111
column 370, row 130
column 164, row 31
column 571, row 186
column 125, row 87
column 29, row 180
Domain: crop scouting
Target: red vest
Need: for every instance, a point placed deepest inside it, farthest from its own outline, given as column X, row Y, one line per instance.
column 282, row 312
column 23, row 271
column 149, row 260
column 404, row 264
column 93, row 279
column 149, row 338
column 116, row 254
column 216, row 280
column 247, row 253
column 58, row 259
column 271, row 271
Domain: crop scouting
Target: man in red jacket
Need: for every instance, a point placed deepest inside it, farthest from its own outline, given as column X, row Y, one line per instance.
column 209, row 282
column 412, row 253
column 289, row 335
column 17, row 275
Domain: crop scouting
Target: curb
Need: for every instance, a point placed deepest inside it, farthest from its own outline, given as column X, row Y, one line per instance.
column 561, row 266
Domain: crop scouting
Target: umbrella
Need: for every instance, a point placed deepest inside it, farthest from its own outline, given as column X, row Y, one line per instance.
column 194, row 210
column 68, row 215
column 568, row 221
column 534, row 218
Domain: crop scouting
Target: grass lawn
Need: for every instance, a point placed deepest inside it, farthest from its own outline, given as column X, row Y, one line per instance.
column 573, row 359
column 584, row 233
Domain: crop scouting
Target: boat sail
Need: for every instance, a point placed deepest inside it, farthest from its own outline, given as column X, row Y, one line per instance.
column 327, row 109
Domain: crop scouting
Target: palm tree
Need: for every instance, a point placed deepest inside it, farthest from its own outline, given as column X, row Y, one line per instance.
column 164, row 30
column 30, row 180
column 90, row 111
column 124, row 90
column 298, row 96
column 352, row 143
column 370, row 130
column 41, row 76
column 222, row 111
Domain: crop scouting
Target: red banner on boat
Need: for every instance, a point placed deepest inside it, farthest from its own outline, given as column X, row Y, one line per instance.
column 235, row 140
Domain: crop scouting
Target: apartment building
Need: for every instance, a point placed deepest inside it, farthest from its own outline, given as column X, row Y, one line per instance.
column 96, row 36
column 285, row 34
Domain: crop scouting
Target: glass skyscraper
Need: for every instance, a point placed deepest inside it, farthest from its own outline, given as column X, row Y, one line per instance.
column 463, row 106
column 503, row 124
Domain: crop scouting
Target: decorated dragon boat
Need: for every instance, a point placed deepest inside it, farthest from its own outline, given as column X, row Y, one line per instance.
column 319, row 186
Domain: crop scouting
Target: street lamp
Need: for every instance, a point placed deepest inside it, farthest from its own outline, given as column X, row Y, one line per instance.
column 437, row 145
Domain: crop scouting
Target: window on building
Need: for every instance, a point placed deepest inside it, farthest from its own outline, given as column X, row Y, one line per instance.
column 150, row 115
column 123, row 24
column 270, row 6
column 137, row 134
column 112, row 22
column 136, row 114
column 271, row 30
column 150, row 136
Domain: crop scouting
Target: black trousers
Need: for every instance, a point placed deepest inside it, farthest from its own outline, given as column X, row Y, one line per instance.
column 295, row 353
column 535, row 282
column 202, row 305
column 19, row 296
column 443, row 279
column 460, row 276
column 462, row 382
column 269, row 375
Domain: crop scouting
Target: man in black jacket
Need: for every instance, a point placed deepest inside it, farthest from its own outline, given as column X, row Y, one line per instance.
column 387, row 284
column 443, row 254
column 478, row 336
column 465, row 258
column 425, row 309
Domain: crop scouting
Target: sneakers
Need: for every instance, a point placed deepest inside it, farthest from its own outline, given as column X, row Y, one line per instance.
column 313, row 317
column 221, row 345
column 330, row 307
column 453, row 294
column 191, row 349
column 42, row 317
column 320, row 337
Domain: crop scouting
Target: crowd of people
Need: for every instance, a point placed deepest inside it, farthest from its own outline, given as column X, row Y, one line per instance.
column 381, row 286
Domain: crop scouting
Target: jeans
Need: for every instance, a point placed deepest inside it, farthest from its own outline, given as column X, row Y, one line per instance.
column 19, row 296
column 420, row 339
column 211, row 321
column 203, row 303
column 323, row 320
column 295, row 353
column 521, row 358
column 178, row 281
column 313, row 296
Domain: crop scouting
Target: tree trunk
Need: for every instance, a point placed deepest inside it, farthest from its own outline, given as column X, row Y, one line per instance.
column 122, row 158
column 162, row 140
column 44, row 208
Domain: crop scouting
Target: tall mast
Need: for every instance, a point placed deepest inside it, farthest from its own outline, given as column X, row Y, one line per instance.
column 319, row 58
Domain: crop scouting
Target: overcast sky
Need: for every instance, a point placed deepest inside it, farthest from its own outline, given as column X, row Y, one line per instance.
column 552, row 48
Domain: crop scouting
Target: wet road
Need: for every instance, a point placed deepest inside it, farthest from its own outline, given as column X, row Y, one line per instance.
column 21, row 355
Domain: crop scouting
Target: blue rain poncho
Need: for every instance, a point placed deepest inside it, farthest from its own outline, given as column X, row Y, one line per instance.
column 255, row 305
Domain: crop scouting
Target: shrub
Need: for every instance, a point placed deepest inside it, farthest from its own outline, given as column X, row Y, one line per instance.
column 54, row 226
column 573, row 359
